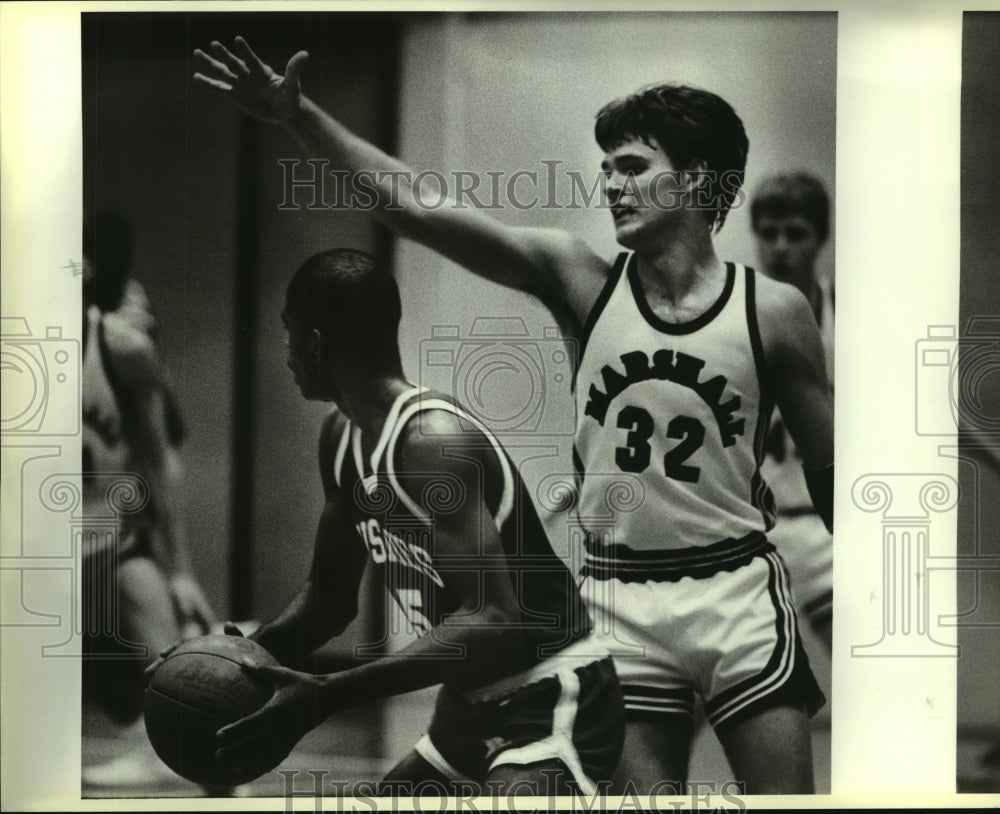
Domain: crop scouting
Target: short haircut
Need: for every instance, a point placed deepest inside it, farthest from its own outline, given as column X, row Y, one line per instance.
column 688, row 124
column 352, row 300
column 107, row 248
column 789, row 194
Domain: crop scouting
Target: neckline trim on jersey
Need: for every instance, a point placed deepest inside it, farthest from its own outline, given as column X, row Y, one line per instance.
column 639, row 295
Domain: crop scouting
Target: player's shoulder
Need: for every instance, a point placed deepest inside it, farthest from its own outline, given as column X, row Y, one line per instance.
column 580, row 273
column 132, row 351
column 331, row 433
column 423, row 442
column 335, row 423
column 779, row 303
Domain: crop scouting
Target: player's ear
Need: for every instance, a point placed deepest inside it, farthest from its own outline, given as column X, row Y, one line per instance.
column 314, row 342
column 696, row 177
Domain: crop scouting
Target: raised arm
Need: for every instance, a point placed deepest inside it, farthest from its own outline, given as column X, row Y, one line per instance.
column 796, row 370
column 550, row 264
column 328, row 601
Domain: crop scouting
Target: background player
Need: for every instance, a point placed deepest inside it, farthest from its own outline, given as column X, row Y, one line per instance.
column 674, row 162
column 138, row 592
column 423, row 490
column 790, row 217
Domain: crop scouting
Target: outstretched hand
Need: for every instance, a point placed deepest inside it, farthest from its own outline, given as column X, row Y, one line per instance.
column 253, row 86
column 276, row 727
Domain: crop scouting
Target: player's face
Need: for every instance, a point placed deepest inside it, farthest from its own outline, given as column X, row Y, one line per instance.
column 643, row 189
column 787, row 247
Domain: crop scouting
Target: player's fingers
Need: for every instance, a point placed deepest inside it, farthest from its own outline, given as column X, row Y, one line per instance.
column 235, row 64
column 166, row 651
column 279, row 676
column 233, row 737
column 212, row 66
column 214, row 84
column 152, row 668
column 252, row 61
column 294, row 68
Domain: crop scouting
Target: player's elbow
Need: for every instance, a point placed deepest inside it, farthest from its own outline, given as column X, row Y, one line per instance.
column 495, row 617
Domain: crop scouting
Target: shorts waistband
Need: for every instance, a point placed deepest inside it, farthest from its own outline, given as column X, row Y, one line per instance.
column 579, row 654
column 618, row 561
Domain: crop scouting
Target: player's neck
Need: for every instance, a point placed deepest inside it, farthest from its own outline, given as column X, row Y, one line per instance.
column 672, row 270
column 367, row 400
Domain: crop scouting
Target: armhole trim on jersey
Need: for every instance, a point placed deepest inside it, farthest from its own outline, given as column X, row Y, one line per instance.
column 506, row 505
column 760, row 494
column 359, row 458
column 679, row 328
column 338, row 458
column 390, row 422
column 766, row 405
column 756, row 342
column 601, row 302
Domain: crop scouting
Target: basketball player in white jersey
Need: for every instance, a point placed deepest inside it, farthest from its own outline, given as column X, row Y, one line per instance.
column 790, row 218
column 684, row 356
column 423, row 491
column 138, row 592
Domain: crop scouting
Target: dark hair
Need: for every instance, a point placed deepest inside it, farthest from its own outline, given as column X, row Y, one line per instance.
column 107, row 248
column 794, row 193
column 688, row 124
column 352, row 300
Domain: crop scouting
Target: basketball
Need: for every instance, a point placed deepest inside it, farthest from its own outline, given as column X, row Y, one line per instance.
column 199, row 688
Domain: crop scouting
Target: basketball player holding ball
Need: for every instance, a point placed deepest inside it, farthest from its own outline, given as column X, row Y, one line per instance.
column 683, row 358
column 422, row 490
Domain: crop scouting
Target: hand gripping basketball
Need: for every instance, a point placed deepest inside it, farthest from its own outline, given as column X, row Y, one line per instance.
column 275, row 728
column 253, row 86
column 200, row 686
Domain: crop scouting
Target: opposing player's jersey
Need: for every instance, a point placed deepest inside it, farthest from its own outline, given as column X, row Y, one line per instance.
column 394, row 513
column 782, row 468
column 671, row 420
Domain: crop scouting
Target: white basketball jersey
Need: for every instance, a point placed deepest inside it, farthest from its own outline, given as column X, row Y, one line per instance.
column 671, row 419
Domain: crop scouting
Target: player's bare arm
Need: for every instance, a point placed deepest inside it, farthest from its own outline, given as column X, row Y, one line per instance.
column 796, row 368
column 474, row 645
column 328, row 602
column 143, row 379
column 554, row 266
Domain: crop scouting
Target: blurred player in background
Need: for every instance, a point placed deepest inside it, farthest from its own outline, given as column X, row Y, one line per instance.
column 684, row 356
column 138, row 592
column 422, row 490
column 790, row 218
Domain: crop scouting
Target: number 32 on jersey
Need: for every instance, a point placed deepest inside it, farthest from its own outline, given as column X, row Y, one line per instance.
column 636, row 455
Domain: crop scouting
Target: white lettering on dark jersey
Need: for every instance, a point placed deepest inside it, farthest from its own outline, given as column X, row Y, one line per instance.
column 385, row 546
